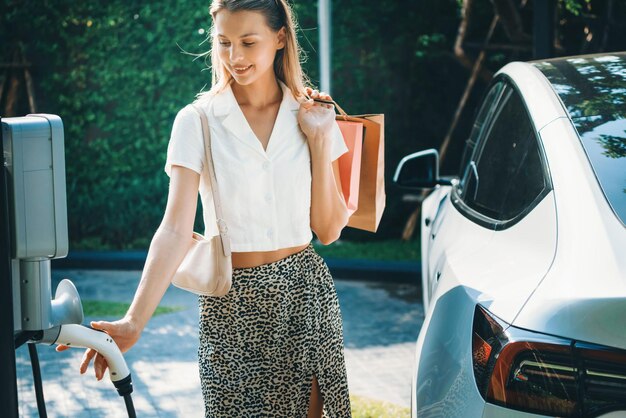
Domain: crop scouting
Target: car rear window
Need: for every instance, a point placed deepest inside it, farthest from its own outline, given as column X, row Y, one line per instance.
column 593, row 89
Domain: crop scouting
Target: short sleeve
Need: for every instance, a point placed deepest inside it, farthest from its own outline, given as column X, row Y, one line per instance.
column 338, row 146
column 186, row 145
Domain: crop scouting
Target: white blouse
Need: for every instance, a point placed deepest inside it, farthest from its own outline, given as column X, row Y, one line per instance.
column 265, row 194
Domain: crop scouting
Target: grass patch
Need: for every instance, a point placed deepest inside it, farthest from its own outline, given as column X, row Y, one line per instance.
column 106, row 308
column 370, row 408
column 383, row 250
column 387, row 250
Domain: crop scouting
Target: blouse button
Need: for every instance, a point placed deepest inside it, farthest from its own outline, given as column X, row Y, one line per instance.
column 270, row 232
column 268, row 197
column 266, row 165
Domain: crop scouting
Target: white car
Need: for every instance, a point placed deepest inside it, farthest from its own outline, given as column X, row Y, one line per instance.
column 524, row 254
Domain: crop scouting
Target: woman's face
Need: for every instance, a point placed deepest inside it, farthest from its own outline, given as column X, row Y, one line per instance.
column 247, row 46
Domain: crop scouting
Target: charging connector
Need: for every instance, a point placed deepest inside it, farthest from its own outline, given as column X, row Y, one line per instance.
column 73, row 335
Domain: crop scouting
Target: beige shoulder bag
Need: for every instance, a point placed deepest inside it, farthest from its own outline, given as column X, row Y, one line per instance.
column 207, row 267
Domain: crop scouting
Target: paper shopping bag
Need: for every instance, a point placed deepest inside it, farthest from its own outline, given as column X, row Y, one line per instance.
column 350, row 162
column 372, row 197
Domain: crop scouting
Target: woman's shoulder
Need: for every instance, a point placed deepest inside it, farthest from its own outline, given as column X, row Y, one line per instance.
column 190, row 110
column 204, row 101
column 201, row 102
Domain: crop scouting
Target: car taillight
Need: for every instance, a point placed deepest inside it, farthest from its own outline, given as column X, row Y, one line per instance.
column 540, row 373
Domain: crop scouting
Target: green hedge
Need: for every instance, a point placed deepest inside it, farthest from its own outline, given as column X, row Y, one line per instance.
column 115, row 73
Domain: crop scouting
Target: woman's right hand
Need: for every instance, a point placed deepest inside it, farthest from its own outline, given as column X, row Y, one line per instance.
column 124, row 332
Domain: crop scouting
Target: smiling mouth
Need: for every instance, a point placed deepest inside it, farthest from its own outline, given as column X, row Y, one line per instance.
column 241, row 70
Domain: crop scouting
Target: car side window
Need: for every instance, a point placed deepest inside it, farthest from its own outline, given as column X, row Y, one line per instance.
column 505, row 174
column 484, row 114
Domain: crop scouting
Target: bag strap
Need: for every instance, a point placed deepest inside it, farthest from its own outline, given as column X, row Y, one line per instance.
column 221, row 223
column 342, row 112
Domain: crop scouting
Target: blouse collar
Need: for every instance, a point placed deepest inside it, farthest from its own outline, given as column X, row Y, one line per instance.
column 226, row 108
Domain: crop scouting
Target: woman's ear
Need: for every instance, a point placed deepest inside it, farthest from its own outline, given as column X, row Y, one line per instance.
column 281, row 36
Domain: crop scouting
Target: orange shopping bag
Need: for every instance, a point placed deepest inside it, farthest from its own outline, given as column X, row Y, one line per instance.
column 350, row 162
column 371, row 183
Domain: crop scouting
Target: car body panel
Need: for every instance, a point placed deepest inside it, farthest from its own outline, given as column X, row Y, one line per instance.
column 430, row 211
column 454, row 238
column 584, row 295
column 445, row 337
column 519, row 257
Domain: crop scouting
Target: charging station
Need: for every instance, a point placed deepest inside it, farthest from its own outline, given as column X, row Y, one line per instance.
column 33, row 231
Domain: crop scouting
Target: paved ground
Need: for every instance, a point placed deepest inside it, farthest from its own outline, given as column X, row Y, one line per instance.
column 381, row 322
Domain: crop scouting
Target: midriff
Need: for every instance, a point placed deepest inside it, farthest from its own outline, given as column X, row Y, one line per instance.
column 257, row 258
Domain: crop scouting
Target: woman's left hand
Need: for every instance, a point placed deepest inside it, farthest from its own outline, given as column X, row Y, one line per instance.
column 316, row 119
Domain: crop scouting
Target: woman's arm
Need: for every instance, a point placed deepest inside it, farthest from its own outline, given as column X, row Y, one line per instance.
column 167, row 250
column 168, row 246
column 329, row 213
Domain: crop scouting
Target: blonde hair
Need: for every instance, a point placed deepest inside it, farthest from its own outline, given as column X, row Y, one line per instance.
column 287, row 62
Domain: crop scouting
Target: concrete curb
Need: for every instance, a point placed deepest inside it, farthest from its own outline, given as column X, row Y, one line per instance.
column 386, row 271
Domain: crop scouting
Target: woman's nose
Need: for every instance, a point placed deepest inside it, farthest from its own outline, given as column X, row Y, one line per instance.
column 235, row 54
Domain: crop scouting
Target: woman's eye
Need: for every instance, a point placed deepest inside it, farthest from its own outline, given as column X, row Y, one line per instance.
column 248, row 43
column 224, row 43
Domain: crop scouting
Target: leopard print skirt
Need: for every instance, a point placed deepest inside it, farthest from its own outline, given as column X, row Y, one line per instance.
column 262, row 343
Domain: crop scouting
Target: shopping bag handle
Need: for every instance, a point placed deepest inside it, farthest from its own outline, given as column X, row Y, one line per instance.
column 341, row 111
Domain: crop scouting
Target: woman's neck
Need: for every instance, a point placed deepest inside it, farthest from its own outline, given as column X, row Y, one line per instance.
column 259, row 94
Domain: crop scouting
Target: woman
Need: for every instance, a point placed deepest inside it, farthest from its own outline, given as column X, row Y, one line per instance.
column 273, row 346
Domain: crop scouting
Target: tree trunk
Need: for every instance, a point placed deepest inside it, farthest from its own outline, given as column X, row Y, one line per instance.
column 459, row 52
column 511, row 20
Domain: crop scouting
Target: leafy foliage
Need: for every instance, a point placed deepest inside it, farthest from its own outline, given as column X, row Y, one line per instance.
column 575, row 6
column 615, row 146
column 116, row 73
